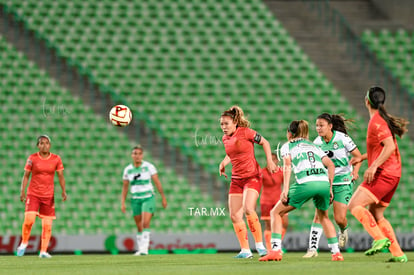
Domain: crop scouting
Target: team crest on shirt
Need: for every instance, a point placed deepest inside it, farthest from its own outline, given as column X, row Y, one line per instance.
column 335, row 145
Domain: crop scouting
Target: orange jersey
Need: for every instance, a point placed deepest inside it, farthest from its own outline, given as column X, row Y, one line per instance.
column 378, row 131
column 240, row 148
column 43, row 173
column 272, row 186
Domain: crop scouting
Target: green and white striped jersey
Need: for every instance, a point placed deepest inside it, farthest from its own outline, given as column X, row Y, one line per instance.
column 140, row 179
column 339, row 149
column 306, row 160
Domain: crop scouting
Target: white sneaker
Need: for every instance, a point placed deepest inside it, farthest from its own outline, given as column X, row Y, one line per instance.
column 310, row 254
column 45, row 255
column 141, row 253
column 21, row 249
column 343, row 238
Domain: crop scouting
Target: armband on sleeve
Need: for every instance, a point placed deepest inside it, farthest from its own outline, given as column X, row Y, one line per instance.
column 257, row 138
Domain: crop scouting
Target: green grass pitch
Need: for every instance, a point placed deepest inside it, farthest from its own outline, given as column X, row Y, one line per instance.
column 221, row 263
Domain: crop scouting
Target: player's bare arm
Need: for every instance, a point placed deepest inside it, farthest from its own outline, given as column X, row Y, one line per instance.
column 62, row 184
column 125, row 184
column 157, row 183
column 25, row 180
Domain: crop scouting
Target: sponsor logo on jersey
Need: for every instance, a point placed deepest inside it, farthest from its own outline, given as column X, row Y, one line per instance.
column 315, row 171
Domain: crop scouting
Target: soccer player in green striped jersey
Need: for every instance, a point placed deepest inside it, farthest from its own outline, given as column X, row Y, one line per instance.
column 140, row 175
column 333, row 139
column 314, row 174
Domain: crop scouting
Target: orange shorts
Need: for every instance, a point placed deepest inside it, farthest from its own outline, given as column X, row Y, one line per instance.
column 43, row 207
column 265, row 208
column 382, row 187
column 237, row 186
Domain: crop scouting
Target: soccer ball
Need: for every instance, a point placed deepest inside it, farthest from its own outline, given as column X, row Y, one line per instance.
column 120, row 115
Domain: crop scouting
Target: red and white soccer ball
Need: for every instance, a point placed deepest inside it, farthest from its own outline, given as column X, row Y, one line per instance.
column 120, row 115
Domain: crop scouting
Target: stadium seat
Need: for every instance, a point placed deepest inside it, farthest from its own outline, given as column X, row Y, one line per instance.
column 394, row 49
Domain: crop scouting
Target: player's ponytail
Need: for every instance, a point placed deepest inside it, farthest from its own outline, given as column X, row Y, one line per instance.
column 376, row 98
column 237, row 114
column 299, row 129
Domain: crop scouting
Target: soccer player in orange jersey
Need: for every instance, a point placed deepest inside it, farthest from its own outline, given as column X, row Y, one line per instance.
column 246, row 180
column 40, row 194
column 272, row 188
column 382, row 176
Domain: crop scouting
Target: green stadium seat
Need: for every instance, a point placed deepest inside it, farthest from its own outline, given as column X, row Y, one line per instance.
column 393, row 48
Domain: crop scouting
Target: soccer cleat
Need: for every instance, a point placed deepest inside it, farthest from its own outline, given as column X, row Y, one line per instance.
column 244, row 255
column 138, row 253
column 377, row 246
column 261, row 251
column 337, row 257
column 343, row 238
column 45, row 255
column 400, row 259
column 20, row 250
column 272, row 256
column 310, row 254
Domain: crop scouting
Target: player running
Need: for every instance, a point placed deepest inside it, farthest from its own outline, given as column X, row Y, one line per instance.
column 382, row 176
column 40, row 201
column 312, row 181
column 246, row 180
column 333, row 139
column 140, row 175
column 272, row 187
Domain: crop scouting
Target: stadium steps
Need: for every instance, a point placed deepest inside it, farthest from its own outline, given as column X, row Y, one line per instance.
column 366, row 14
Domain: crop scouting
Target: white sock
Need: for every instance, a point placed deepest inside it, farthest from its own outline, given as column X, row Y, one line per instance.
column 315, row 235
column 260, row 246
column 23, row 245
column 245, row 250
column 145, row 240
column 276, row 244
column 139, row 240
column 334, row 248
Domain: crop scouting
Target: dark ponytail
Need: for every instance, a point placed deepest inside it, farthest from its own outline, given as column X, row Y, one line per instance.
column 376, row 99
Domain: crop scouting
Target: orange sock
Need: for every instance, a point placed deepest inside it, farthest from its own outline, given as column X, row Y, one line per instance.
column 388, row 231
column 255, row 227
column 241, row 233
column 368, row 221
column 29, row 219
column 46, row 234
column 268, row 236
